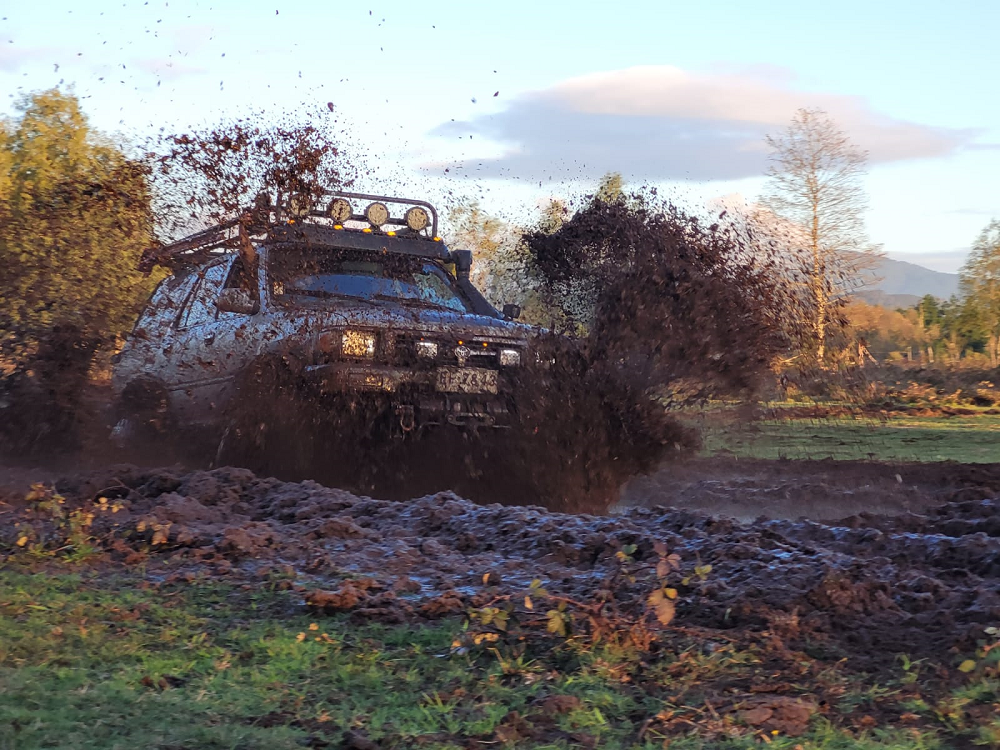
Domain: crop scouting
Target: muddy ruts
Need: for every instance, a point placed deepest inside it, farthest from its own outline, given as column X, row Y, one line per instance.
column 864, row 589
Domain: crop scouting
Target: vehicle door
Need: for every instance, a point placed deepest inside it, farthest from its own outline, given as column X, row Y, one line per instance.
column 212, row 348
column 148, row 349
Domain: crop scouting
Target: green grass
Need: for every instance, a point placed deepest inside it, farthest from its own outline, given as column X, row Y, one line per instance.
column 88, row 662
column 974, row 439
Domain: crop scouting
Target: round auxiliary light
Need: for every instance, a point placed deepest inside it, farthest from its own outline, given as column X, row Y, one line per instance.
column 299, row 205
column 417, row 219
column 377, row 214
column 339, row 210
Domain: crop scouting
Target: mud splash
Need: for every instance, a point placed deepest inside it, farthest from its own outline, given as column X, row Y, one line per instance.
column 864, row 588
column 210, row 176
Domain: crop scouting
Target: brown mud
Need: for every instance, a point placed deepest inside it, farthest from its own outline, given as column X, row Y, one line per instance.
column 821, row 490
column 864, row 587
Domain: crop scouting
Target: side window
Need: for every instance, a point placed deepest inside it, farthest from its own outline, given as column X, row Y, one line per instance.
column 163, row 305
column 201, row 307
column 241, row 278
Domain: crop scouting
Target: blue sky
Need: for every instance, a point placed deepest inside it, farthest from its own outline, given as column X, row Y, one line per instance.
column 677, row 94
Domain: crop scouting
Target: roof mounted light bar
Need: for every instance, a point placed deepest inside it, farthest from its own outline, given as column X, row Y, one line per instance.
column 257, row 222
column 340, row 210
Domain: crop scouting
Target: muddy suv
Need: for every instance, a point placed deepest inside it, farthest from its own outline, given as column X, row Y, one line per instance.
column 368, row 304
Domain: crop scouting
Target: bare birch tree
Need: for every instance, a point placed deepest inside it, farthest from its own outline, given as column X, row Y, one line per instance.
column 815, row 181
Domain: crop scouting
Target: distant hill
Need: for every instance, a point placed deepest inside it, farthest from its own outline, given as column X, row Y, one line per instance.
column 892, row 301
column 896, row 283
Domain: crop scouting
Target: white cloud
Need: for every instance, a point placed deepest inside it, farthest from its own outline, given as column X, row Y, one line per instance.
column 13, row 58
column 662, row 122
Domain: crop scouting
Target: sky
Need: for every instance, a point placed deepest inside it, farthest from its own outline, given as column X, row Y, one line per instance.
column 512, row 103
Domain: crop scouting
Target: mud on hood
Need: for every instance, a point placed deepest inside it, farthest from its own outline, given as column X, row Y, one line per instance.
column 392, row 317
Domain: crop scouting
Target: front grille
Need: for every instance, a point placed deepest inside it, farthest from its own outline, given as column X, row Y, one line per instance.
column 399, row 349
column 476, row 355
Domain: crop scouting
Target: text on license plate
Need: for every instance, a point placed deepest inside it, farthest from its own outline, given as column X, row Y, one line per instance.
column 466, row 380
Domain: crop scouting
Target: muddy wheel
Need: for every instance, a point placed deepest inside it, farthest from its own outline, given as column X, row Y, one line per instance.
column 267, row 425
column 142, row 426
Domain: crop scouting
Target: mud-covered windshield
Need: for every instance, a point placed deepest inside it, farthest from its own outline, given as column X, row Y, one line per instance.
column 297, row 276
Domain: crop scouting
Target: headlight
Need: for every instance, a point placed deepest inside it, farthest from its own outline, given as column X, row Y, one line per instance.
column 510, row 357
column 358, row 344
column 427, row 349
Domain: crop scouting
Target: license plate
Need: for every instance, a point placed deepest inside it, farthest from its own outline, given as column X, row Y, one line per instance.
column 466, row 380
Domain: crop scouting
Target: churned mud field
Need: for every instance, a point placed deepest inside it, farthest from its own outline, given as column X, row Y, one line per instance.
column 852, row 607
column 921, row 574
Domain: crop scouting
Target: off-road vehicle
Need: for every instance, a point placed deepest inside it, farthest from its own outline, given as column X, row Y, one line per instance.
column 369, row 304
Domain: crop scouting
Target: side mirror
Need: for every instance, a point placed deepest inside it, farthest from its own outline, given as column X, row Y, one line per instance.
column 511, row 311
column 237, row 301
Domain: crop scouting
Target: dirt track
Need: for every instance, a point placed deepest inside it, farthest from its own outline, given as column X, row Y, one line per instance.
column 867, row 586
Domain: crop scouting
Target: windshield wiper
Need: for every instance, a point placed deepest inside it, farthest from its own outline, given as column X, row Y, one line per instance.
column 413, row 301
column 320, row 294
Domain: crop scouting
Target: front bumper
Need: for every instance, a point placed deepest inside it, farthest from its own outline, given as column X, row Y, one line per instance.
column 443, row 395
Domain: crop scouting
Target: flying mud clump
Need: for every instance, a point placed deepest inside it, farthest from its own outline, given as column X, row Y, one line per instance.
column 209, row 177
column 662, row 311
column 654, row 309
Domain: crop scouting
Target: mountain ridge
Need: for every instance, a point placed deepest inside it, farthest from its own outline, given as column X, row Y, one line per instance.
column 899, row 283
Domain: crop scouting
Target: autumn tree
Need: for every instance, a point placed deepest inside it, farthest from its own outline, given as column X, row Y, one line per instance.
column 74, row 219
column 979, row 283
column 502, row 270
column 610, row 188
column 815, row 182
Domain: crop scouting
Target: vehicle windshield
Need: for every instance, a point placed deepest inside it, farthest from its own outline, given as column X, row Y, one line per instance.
column 297, row 276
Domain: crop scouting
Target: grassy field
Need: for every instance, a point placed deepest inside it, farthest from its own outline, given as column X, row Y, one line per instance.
column 112, row 662
column 972, row 439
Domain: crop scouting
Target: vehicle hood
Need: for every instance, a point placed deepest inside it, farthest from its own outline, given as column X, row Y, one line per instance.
column 389, row 316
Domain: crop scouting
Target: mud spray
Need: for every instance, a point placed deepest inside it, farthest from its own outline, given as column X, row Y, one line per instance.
column 655, row 307
column 651, row 309
column 664, row 310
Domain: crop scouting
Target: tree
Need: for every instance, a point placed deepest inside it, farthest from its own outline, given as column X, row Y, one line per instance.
column 610, row 188
column 74, row 218
column 553, row 215
column 979, row 283
column 929, row 311
column 815, row 182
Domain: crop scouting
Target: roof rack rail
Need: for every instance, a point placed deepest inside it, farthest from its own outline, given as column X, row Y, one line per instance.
column 192, row 249
column 258, row 222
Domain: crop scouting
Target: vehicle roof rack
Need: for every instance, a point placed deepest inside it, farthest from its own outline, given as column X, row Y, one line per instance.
column 297, row 220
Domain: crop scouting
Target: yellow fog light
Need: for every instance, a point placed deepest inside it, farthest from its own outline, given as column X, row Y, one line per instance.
column 358, row 344
column 299, row 205
column 340, row 210
column 377, row 214
column 417, row 219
